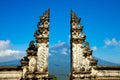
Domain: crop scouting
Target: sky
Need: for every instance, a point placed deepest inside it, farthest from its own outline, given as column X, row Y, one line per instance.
column 100, row 18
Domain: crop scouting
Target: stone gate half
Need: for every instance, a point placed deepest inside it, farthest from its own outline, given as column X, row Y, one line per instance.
column 83, row 64
column 34, row 66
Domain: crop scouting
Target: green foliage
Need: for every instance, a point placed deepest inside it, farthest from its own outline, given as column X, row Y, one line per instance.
column 53, row 77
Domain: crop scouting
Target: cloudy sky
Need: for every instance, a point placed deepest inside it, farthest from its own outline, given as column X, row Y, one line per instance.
column 100, row 18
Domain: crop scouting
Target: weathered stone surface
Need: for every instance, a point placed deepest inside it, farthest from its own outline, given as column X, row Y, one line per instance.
column 38, row 64
column 42, row 57
column 32, row 64
column 10, row 73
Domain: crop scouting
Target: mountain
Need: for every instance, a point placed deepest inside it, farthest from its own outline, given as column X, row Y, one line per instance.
column 59, row 61
column 10, row 63
column 106, row 63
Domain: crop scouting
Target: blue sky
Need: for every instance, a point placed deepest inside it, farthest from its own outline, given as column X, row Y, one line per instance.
column 100, row 18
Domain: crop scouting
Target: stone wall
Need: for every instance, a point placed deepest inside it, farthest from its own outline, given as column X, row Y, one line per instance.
column 107, row 72
column 10, row 73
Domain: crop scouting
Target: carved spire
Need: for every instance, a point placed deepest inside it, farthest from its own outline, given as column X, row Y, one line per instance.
column 77, row 34
column 42, row 33
column 74, row 18
column 45, row 15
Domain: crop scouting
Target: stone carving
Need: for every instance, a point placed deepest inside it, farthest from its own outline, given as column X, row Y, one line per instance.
column 37, row 34
column 42, row 57
column 82, row 60
column 74, row 19
column 35, row 64
column 42, row 39
column 32, row 64
column 32, row 50
column 82, row 35
column 43, row 27
column 83, row 64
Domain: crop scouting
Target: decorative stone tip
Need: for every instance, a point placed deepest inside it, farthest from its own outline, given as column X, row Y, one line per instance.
column 45, row 15
column 74, row 17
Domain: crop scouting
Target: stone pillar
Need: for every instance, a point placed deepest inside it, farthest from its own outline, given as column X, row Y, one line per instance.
column 82, row 61
column 24, row 65
column 42, row 40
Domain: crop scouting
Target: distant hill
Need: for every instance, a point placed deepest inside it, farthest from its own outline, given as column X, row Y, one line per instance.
column 10, row 63
column 106, row 63
column 100, row 63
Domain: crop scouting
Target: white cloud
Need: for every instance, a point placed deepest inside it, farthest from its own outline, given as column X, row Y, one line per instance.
column 112, row 42
column 5, row 51
column 8, row 52
column 4, row 44
column 53, row 51
column 59, row 44
column 49, row 54
column 60, row 48
column 94, row 48
column 64, row 51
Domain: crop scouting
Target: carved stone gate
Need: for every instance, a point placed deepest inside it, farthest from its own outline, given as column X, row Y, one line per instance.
column 34, row 66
